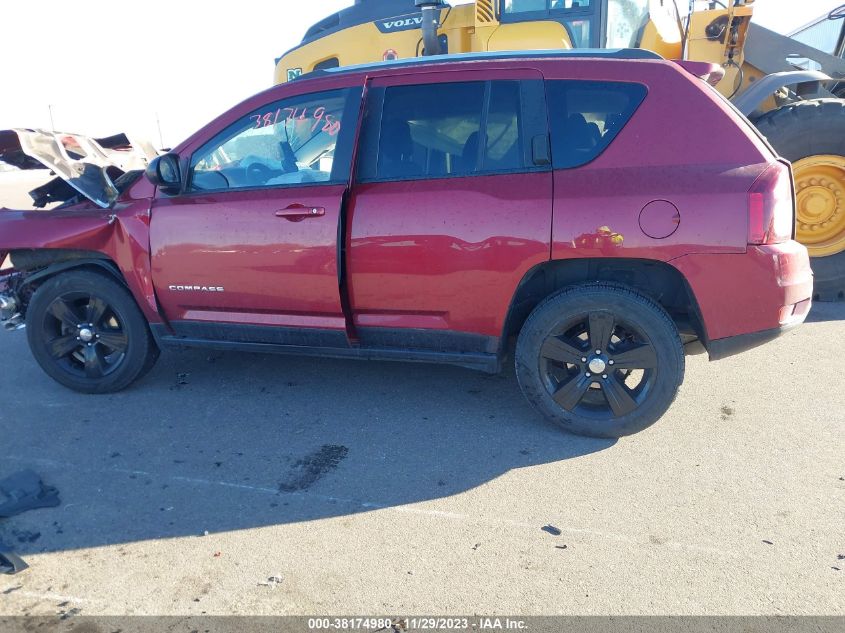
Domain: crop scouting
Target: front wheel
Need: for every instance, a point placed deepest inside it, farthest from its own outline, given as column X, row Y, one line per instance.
column 88, row 334
column 600, row 360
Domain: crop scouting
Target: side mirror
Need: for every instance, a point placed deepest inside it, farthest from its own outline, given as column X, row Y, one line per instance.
column 164, row 172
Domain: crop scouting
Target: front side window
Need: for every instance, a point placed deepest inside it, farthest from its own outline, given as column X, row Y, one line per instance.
column 448, row 129
column 586, row 116
column 288, row 142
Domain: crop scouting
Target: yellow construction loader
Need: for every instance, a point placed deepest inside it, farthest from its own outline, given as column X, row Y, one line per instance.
column 794, row 93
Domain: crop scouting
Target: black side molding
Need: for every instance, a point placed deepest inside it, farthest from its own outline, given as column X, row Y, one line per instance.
column 463, row 350
column 724, row 347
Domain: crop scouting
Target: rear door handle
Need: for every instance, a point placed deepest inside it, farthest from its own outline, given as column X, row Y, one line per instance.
column 298, row 212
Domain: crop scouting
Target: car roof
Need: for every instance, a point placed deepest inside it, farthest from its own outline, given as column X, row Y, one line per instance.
column 444, row 60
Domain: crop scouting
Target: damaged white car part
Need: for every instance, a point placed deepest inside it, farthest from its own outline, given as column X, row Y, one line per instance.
column 83, row 165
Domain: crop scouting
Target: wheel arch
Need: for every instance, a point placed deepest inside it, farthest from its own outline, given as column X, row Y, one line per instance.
column 33, row 267
column 661, row 282
column 41, row 264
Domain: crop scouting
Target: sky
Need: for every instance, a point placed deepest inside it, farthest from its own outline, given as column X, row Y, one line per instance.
column 105, row 66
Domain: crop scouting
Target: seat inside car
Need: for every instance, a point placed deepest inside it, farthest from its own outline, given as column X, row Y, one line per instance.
column 396, row 150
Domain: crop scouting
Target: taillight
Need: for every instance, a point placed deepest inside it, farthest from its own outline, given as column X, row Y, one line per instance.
column 771, row 206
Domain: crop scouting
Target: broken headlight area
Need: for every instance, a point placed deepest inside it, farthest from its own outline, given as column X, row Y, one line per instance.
column 10, row 316
column 11, row 305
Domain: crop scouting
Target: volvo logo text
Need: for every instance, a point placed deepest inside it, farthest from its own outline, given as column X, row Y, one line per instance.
column 400, row 23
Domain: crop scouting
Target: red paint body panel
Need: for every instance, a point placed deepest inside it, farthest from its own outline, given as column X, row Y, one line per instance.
column 448, row 253
column 125, row 239
column 274, row 271
column 712, row 202
column 743, row 293
column 683, row 146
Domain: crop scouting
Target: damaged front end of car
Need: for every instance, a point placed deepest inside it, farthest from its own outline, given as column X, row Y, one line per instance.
column 85, row 217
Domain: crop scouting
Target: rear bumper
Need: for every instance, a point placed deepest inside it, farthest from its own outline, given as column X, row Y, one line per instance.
column 724, row 347
column 747, row 299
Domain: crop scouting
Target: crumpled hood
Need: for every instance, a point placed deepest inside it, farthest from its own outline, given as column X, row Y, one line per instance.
column 83, row 165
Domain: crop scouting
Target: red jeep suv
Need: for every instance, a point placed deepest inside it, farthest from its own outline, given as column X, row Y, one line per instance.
column 607, row 209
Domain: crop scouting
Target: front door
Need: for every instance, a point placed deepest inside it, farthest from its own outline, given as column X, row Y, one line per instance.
column 249, row 250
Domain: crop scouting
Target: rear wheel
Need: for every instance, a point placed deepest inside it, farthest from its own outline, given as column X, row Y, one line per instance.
column 87, row 333
column 600, row 360
column 811, row 134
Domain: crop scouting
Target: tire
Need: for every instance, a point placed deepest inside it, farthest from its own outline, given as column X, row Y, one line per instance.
column 116, row 350
column 566, row 328
column 829, row 278
column 815, row 128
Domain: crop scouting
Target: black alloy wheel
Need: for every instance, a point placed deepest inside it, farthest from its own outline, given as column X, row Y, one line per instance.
column 599, row 365
column 600, row 360
column 87, row 333
column 84, row 335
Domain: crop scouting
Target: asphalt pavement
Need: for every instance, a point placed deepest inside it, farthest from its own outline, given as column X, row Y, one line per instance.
column 389, row 488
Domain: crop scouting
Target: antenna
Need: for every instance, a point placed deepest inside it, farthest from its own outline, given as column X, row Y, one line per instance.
column 160, row 137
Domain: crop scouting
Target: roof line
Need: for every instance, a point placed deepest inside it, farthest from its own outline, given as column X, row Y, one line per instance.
column 602, row 53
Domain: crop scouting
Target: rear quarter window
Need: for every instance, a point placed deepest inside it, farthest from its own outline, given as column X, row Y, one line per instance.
column 586, row 116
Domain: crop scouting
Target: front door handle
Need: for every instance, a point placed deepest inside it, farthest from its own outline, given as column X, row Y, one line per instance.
column 298, row 212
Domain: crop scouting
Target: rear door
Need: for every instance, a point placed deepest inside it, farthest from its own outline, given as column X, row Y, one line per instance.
column 253, row 240
column 452, row 206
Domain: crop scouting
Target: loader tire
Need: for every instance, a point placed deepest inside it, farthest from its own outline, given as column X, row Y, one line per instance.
column 811, row 134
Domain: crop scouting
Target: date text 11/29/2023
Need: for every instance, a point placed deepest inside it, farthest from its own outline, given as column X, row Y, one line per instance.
column 417, row 624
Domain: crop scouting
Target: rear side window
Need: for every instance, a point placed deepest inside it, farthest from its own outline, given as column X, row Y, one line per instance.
column 451, row 129
column 586, row 116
